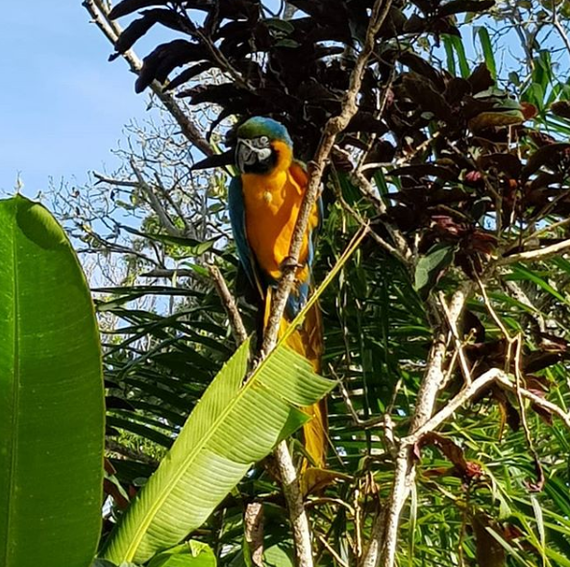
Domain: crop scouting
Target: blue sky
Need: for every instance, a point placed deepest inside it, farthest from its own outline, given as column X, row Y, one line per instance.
column 62, row 104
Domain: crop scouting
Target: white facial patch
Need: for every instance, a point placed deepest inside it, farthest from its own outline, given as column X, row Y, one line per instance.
column 250, row 152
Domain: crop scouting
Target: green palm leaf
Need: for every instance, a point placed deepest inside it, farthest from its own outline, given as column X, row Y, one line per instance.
column 233, row 426
column 51, row 396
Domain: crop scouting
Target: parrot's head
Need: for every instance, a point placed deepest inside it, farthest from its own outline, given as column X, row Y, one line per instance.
column 262, row 145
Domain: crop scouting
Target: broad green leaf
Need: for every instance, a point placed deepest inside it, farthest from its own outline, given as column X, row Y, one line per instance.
column 190, row 554
column 280, row 555
column 233, row 426
column 51, row 396
column 430, row 265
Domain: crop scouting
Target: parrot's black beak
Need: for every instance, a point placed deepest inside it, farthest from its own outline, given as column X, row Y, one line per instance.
column 251, row 157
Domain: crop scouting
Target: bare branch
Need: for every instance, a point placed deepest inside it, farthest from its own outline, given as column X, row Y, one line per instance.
column 253, row 519
column 535, row 255
column 295, row 506
column 291, row 489
column 537, row 400
column 155, row 203
column 230, row 306
column 384, row 536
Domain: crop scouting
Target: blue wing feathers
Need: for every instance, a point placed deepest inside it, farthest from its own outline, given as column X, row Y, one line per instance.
column 237, row 218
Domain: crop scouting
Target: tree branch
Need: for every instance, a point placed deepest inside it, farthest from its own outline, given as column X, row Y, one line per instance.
column 154, row 203
column 316, row 169
column 230, row 306
column 291, row 489
column 535, row 255
column 295, row 505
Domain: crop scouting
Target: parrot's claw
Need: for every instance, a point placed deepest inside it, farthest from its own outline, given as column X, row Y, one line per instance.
column 290, row 263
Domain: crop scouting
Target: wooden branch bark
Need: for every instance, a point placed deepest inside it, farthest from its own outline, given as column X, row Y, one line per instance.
column 230, row 305
column 295, row 505
column 538, row 254
column 253, row 519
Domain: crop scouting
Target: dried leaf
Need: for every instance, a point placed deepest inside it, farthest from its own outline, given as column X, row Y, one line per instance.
column 490, row 552
column 496, row 119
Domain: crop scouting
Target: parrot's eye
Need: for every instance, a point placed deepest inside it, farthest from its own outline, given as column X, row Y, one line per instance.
column 264, row 140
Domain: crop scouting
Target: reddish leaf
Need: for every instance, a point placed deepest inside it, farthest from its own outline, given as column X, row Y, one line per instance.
column 550, row 156
column 481, row 79
column 111, row 489
column 466, row 469
column 529, row 110
column 423, row 93
column 505, row 163
column 561, row 108
column 165, row 58
column 136, row 29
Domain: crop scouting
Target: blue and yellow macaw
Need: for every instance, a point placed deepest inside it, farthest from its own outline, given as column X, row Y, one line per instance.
column 264, row 202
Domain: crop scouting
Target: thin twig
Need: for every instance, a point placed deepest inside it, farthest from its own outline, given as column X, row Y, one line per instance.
column 535, row 255
column 155, row 203
column 464, row 396
column 236, row 322
column 537, row 400
column 457, row 340
column 332, row 551
column 524, row 422
column 400, row 244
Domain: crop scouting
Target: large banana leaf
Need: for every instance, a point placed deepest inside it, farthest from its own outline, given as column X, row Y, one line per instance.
column 51, row 396
column 233, row 426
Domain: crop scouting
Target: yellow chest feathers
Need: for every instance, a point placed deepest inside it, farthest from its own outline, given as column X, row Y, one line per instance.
column 271, row 208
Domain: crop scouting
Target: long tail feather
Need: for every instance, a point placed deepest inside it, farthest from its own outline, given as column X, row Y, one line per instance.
column 308, row 341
